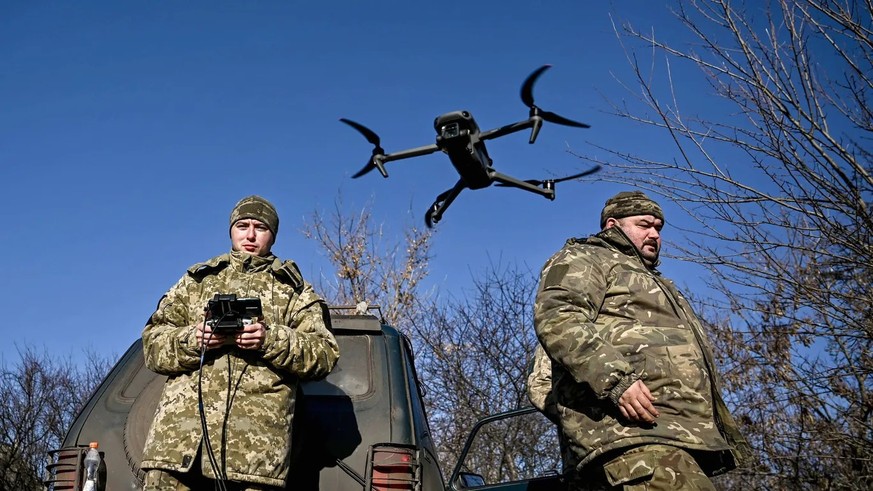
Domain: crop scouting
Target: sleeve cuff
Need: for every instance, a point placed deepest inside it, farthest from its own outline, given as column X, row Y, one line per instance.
column 622, row 385
column 276, row 334
column 188, row 341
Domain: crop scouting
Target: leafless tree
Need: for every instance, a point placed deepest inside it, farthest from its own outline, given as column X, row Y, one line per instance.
column 370, row 267
column 775, row 166
column 475, row 355
column 39, row 397
column 472, row 351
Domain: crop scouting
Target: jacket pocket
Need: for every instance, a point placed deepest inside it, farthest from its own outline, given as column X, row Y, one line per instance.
column 650, row 365
column 629, row 468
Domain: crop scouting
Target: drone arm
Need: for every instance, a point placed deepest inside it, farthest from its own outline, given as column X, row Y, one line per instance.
column 548, row 192
column 378, row 160
column 506, row 130
column 412, row 152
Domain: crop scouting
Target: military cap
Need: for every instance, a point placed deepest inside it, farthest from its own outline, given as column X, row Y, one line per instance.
column 257, row 208
column 629, row 203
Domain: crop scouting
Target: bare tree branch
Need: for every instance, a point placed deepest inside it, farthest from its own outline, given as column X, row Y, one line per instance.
column 776, row 173
column 39, row 397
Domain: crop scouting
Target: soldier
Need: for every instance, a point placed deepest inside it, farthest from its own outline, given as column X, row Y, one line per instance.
column 636, row 391
column 239, row 387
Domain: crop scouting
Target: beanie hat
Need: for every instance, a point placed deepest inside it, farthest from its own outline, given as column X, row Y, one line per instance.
column 257, row 208
column 629, row 203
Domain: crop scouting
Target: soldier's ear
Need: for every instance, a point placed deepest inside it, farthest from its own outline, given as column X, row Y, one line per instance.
column 610, row 222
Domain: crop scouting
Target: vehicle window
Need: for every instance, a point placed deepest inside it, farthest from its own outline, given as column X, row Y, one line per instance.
column 518, row 448
column 353, row 374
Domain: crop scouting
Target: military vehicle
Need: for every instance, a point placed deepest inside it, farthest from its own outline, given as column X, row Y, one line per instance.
column 362, row 427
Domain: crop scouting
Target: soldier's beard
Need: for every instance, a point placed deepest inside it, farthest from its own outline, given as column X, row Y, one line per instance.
column 649, row 252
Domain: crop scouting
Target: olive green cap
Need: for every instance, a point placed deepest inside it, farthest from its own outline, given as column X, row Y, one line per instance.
column 627, row 204
column 257, row 208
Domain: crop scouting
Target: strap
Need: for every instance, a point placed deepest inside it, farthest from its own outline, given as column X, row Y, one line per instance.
column 287, row 272
column 210, row 267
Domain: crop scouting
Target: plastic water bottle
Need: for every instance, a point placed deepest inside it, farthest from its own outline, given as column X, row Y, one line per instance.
column 92, row 468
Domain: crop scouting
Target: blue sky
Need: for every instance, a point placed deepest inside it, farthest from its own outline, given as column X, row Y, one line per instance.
column 129, row 129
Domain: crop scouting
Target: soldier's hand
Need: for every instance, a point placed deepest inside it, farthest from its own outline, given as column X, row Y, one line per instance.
column 251, row 336
column 636, row 403
column 206, row 337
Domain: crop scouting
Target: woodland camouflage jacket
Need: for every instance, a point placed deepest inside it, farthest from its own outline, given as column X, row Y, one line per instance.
column 606, row 320
column 248, row 396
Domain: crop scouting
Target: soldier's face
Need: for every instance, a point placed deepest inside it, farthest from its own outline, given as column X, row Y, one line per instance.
column 644, row 231
column 251, row 236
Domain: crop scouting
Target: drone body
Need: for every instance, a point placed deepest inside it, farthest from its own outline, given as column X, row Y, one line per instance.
column 458, row 135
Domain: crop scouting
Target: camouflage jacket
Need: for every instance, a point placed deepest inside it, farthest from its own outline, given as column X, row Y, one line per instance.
column 606, row 320
column 539, row 385
column 248, row 396
column 541, row 395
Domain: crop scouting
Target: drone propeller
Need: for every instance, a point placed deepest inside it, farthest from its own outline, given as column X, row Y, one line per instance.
column 538, row 114
column 375, row 161
column 550, row 183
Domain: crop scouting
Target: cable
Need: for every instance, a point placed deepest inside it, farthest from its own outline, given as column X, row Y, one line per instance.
column 227, row 404
column 220, row 476
column 220, row 471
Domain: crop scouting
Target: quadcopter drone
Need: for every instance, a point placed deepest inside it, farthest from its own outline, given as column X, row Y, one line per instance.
column 459, row 137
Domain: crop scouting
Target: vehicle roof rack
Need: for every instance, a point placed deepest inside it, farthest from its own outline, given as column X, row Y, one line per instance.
column 361, row 317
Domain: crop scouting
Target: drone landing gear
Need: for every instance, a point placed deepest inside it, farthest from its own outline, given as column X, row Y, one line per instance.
column 435, row 213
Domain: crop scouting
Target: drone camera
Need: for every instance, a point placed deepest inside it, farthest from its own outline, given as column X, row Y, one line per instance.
column 455, row 124
column 451, row 130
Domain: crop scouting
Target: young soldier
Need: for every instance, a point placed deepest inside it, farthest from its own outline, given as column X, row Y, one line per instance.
column 244, row 388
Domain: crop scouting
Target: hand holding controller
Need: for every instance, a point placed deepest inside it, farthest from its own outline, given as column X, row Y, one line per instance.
column 226, row 313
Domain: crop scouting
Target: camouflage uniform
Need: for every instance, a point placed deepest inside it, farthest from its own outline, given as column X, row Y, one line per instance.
column 606, row 320
column 541, row 395
column 248, row 396
column 539, row 385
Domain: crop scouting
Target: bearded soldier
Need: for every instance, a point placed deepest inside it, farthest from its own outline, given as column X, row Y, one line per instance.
column 625, row 367
column 224, row 418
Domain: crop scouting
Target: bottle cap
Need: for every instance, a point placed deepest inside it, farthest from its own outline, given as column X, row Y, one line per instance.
column 93, row 445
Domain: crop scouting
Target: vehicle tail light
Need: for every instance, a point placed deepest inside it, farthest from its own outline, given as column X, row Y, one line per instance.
column 64, row 469
column 392, row 467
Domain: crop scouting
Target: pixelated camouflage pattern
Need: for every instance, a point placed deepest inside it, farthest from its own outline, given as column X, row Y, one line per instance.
column 158, row 480
column 253, row 391
column 629, row 203
column 606, row 320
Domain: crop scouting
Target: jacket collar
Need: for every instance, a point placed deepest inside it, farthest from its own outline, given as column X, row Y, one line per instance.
column 250, row 263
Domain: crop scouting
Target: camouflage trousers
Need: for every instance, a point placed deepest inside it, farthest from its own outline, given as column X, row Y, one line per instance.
column 158, row 480
column 644, row 468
